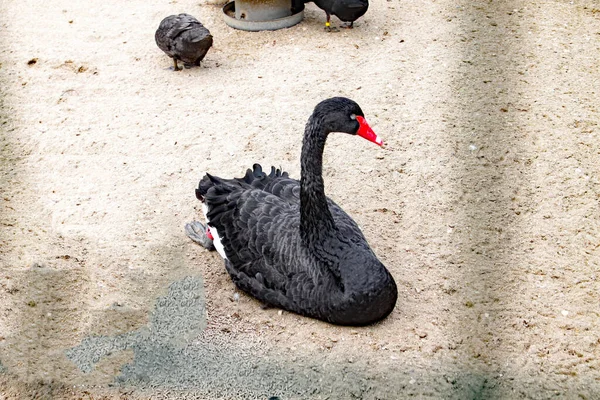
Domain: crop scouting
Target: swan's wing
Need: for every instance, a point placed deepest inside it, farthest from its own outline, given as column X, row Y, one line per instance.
column 284, row 205
column 277, row 183
column 271, row 182
column 257, row 219
column 276, row 205
column 259, row 231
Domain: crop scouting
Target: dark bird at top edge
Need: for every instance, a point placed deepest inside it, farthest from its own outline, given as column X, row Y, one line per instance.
column 182, row 37
column 346, row 10
column 290, row 246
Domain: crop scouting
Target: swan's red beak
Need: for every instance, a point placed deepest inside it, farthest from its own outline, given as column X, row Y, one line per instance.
column 366, row 132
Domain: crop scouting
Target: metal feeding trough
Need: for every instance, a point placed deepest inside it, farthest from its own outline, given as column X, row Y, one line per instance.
column 263, row 15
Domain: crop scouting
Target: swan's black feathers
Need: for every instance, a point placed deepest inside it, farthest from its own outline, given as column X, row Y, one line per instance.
column 256, row 213
column 254, row 178
column 290, row 246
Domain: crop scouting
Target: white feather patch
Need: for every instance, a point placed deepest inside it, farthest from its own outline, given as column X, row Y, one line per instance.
column 216, row 238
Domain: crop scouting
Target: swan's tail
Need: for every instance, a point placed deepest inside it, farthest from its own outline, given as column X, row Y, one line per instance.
column 254, row 178
column 258, row 179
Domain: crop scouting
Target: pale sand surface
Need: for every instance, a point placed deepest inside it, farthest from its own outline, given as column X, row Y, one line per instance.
column 484, row 206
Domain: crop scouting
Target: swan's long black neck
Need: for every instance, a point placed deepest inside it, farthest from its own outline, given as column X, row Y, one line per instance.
column 316, row 221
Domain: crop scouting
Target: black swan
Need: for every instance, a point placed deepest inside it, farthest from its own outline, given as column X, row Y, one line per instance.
column 345, row 10
column 183, row 37
column 287, row 244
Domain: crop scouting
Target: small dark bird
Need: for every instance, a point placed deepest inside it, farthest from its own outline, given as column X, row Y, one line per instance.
column 183, row 37
column 345, row 10
column 290, row 246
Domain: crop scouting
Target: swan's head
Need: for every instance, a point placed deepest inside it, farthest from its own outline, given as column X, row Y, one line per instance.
column 339, row 114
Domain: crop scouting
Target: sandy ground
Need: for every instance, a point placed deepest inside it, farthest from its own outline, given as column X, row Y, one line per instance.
column 484, row 206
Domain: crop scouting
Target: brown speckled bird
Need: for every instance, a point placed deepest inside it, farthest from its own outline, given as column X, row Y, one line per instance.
column 183, row 37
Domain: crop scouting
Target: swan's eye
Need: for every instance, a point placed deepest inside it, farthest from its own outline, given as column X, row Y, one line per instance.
column 352, row 116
